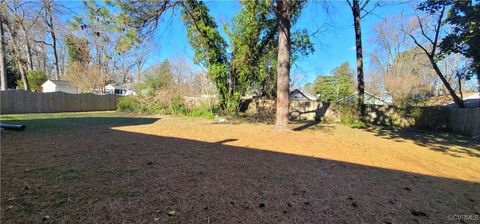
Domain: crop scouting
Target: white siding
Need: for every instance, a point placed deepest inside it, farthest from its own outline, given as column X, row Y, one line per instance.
column 109, row 89
column 49, row 87
column 66, row 89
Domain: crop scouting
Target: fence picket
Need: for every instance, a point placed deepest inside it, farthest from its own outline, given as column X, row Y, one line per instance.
column 20, row 101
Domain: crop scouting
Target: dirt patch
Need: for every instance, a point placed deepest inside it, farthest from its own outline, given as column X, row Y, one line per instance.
column 183, row 170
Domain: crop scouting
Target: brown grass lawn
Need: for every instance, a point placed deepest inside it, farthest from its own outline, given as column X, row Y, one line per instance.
column 120, row 168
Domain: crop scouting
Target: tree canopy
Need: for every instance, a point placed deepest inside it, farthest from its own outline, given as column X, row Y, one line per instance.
column 336, row 86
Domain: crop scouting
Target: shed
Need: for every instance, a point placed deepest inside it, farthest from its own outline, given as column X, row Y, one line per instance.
column 59, row 86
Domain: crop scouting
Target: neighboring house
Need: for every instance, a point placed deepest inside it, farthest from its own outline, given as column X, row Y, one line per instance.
column 121, row 89
column 297, row 94
column 59, row 86
column 469, row 101
column 369, row 99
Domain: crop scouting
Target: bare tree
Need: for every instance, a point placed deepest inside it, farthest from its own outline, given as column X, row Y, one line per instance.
column 17, row 53
column 3, row 71
column 24, row 16
column 139, row 58
column 48, row 5
column 402, row 70
column 431, row 37
column 451, row 67
column 21, row 16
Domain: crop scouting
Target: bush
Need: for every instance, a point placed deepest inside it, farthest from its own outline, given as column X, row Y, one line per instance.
column 129, row 104
column 138, row 104
column 35, row 80
column 203, row 110
column 349, row 115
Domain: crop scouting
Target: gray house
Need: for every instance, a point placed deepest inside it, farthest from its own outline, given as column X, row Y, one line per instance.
column 369, row 99
column 299, row 95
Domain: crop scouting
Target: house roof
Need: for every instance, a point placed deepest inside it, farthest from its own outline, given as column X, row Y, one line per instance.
column 129, row 86
column 63, row 83
column 306, row 95
column 366, row 93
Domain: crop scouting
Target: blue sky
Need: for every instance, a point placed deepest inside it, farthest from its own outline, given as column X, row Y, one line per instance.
column 334, row 44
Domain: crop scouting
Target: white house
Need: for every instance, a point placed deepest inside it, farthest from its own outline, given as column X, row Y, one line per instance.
column 121, row 89
column 297, row 94
column 59, row 86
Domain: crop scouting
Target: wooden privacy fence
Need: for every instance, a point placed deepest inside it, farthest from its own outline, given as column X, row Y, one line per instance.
column 465, row 121
column 459, row 120
column 19, row 101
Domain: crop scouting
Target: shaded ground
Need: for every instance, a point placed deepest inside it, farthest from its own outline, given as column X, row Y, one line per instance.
column 448, row 143
column 114, row 168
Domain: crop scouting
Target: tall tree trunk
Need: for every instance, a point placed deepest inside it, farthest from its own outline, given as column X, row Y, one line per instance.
column 62, row 60
column 55, row 56
column 23, row 75
column 358, row 46
column 456, row 99
column 48, row 11
column 283, row 66
column 18, row 61
column 17, row 56
column 460, row 86
column 28, row 48
column 42, row 58
column 3, row 71
column 139, row 74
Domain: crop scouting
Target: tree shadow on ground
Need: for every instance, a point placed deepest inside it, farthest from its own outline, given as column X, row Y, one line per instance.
column 445, row 142
column 312, row 125
column 68, row 123
column 94, row 174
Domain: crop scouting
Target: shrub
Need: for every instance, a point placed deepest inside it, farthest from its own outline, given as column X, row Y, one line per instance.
column 149, row 105
column 35, row 80
column 349, row 115
column 203, row 110
column 129, row 104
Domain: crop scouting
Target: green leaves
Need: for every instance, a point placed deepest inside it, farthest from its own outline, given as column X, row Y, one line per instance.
column 464, row 37
column 208, row 45
column 249, row 65
column 337, row 86
column 77, row 49
column 253, row 44
column 158, row 78
column 35, row 80
column 301, row 44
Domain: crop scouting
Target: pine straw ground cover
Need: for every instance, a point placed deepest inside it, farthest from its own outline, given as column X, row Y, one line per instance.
column 120, row 168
